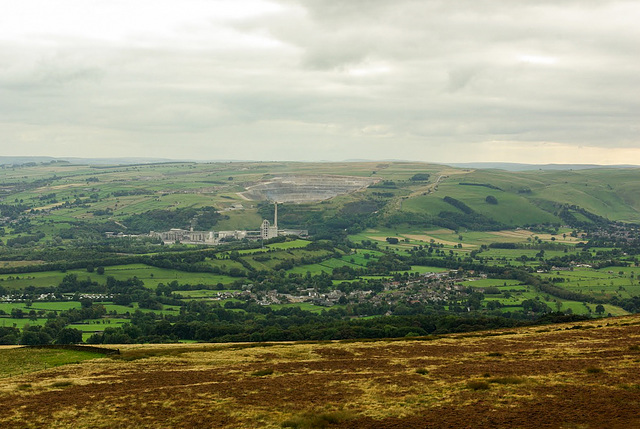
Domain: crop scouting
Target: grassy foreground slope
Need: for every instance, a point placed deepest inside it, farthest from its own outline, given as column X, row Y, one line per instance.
column 580, row 375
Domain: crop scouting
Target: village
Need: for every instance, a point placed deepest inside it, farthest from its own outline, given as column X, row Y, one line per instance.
column 431, row 288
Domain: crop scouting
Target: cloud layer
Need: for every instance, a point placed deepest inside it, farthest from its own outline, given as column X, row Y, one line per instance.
column 442, row 81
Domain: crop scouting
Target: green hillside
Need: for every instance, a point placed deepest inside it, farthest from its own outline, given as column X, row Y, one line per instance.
column 56, row 197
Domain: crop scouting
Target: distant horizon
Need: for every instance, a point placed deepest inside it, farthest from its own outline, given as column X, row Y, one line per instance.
column 516, row 166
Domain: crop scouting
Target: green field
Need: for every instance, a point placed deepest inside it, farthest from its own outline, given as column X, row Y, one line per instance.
column 151, row 276
column 19, row 360
column 21, row 323
column 621, row 281
column 98, row 325
column 500, row 283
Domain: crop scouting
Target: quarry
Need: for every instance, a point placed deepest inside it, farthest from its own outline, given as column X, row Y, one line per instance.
column 305, row 189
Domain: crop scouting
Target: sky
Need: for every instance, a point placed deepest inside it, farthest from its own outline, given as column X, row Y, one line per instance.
column 541, row 81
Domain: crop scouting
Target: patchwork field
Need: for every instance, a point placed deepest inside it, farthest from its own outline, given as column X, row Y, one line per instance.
column 151, row 276
column 578, row 375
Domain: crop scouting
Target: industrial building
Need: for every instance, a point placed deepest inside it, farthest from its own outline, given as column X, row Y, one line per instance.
column 213, row 238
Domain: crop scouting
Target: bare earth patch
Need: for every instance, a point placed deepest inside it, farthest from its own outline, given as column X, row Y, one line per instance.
column 523, row 234
column 428, row 238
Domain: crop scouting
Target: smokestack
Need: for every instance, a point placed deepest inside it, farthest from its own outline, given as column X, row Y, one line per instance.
column 275, row 216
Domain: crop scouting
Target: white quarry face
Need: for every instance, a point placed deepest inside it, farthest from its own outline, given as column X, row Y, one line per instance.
column 305, row 189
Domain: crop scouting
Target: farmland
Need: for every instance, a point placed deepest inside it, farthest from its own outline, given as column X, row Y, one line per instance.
column 151, row 276
column 67, row 193
column 387, row 240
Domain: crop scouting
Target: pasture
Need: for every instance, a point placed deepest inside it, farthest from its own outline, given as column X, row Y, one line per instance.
column 621, row 281
column 17, row 361
column 151, row 276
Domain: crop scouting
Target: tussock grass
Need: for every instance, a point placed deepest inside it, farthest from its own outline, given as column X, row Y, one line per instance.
column 312, row 420
column 594, row 370
column 507, row 380
column 382, row 380
column 478, row 385
column 262, row 372
column 630, row 386
column 59, row 384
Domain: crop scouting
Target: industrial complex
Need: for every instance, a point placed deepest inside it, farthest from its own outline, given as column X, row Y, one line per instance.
column 213, row 238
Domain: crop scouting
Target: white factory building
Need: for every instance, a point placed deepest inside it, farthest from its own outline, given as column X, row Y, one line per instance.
column 266, row 232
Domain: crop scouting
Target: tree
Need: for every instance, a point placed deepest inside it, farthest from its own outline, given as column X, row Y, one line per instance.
column 69, row 336
column 420, row 177
column 100, row 270
column 491, row 199
column 34, row 336
column 599, row 309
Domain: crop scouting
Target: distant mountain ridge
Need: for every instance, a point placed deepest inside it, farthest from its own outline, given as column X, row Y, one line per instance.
column 20, row 160
column 507, row 166
column 512, row 166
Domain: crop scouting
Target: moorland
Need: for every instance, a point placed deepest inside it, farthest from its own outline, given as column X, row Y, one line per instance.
column 571, row 375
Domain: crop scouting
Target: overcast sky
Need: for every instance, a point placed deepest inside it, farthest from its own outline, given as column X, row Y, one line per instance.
column 440, row 81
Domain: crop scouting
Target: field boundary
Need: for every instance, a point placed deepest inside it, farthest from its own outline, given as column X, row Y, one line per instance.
column 75, row 347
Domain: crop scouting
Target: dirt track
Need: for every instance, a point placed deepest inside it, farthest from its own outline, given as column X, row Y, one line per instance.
column 569, row 376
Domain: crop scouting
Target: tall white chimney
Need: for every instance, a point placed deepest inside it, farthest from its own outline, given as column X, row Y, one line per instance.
column 275, row 216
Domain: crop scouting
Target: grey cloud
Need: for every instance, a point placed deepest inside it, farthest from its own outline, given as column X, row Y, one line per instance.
column 350, row 77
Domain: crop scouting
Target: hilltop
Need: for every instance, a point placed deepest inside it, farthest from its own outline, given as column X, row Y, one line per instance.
column 110, row 197
column 577, row 375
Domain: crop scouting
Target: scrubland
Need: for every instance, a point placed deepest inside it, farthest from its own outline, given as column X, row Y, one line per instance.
column 578, row 375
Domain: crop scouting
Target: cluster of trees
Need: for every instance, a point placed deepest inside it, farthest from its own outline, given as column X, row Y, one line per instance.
column 485, row 185
column 469, row 218
column 420, row 177
column 13, row 211
column 594, row 221
column 205, row 322
column 204, row 218
column 55, row 330
column 25, row 239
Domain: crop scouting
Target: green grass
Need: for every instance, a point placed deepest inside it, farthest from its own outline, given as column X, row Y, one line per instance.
column 98, row 324
column 151, row 276
column 600, row 283
column 123, row 309
column 15, row 361
column 314, row 269
column 482, row 283
column 21, row 323
column 294, row 244
column 55, row 306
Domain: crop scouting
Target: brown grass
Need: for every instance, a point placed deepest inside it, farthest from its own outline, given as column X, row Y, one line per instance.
column 525, row 378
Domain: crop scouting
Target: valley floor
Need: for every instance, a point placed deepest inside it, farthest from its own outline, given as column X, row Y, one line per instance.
column 578, row 375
